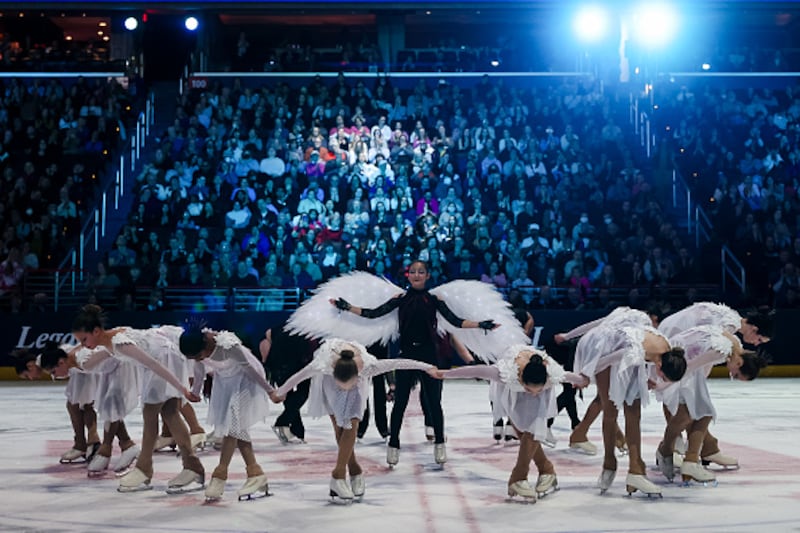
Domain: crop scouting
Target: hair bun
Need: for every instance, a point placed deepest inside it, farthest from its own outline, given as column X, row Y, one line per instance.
column 347, row 354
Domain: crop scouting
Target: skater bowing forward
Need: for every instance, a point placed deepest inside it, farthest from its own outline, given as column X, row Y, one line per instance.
column 418, row 340
column 238, row 401
column 341, row 374
column 525, row 383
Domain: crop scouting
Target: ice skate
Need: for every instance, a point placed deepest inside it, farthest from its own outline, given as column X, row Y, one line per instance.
column 584, row 447
column 511, row 433
column 340, row 491
column 636, row 482
column 283, row 433
column 254, row 487
column 549, row 439
column 605, row 480
column 392, row 455
column 677, row 459
column 358, row 486
column 721, row 459
column 439, row 453
column 666, row 465
column 198, row 441
column 545, row 484
column 164, row 444
column 92, row 451
column 72, row 456
column 497, row 432
column 134, row 481
column 430, row 435
column 214, row 441
column 214, row 489
column 126, row 459
column 680, row 444
column 691, row 471
column 186, row 481
column 522, row 489
column 621, row 445
column 98, row 466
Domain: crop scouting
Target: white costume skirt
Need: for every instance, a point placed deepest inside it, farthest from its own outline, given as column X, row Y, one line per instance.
column 117, row 391
column 527, row 412
column 326, row 398
column 155, row 389
column 237, row 403
column 692, row 390
column 628, row 384
column 81, row 387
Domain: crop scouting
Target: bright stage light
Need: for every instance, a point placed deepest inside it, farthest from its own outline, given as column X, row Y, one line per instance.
column 131, row 23
column 590, row 24
column 191, row 23
column 706, row 66
column 655, row 24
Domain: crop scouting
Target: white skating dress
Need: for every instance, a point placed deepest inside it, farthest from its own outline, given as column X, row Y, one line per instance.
column 528, row 412
column 118, row 384
column 618, row 318
column 326, row 397
column 81, row 388
column 701, row 314
column 239, row 395
column 622, row 350
column 705, row 347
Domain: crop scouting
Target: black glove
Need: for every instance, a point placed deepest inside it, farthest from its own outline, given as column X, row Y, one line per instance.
column 342, row 304
column 486, row 325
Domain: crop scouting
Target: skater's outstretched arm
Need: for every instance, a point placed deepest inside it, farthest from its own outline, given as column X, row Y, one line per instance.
column 198, row 377
column 94, row 359
column 387, row 365
column 246, row 358
column 139, row 355
column 459, row 322
column 383, row 309
column 302, row 375
column 578, row 331
column 489, row 373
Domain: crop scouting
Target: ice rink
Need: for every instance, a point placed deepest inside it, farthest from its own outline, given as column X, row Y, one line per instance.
column 758, row 422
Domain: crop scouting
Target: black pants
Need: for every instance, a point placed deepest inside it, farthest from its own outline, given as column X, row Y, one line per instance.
column 566, row 400
column 379, row 406
column 291, row 409
column 430, row 395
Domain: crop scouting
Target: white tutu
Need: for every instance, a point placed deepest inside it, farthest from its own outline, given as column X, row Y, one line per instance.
column 118, row 388
column 155, row 389
column 701, row 314
column 81, row 388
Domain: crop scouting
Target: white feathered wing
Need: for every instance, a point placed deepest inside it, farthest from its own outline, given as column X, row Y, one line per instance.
column 317, row 318
column 476, row 300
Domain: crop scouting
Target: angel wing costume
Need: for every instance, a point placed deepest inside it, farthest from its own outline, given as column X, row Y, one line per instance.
column 384, row 303
column 701, row 314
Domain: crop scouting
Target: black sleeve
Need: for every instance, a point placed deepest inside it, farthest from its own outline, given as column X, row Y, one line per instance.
column 447, row 313
column 383, row 309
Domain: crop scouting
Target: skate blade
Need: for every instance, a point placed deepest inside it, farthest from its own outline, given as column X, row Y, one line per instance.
column 191, row 487
column 95, row 474
column 691, row 482
column 521, row 500
column 549, row 444
column 213, row 499
column 255, row 496
column 631, row 490
column 124, row 471
column 140, row 488
column 335, row 498
column 551, row 490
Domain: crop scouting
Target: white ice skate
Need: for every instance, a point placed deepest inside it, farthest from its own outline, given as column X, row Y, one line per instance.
column 358, row 486
column 392, row 455
column 584, row 447
column 215, row 489
column 691, row 471
column 214, row 441
column 126, row 459
column 605, row 480
column 340, row 491
column 636, row 482
column 98, row 466
column 186, row 481
column 254, row 487
column 198, row 441
column 439, row 453
column 549, row 439
column 164, row 444
column 721, row 459
column 522, row 489
column 430, row 435
column 285, row 435
column 545, row 484
column 497, row 433
column 677, row 459
column 666, row 465
column 134, row 481
column 92, row 451
column 73, row 456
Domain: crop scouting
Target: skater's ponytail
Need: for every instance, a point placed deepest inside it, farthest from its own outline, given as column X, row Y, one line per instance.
column 752, row 363
column 88, row 318
column 535, row 372
column 673, row 364
column 345, row 368
column 763, row 319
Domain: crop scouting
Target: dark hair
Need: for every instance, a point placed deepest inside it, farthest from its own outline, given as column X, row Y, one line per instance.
column 673, row 364
column 534, row 372
column 192, row 341
column 763, row 319
column 51, row 354
column 88, row 318
column 521, row 315
column 752, row 363
column 345, row 368
column 21, row 359
column 421, row 262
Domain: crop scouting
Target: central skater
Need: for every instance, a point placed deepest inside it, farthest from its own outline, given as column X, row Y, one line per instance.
column 418, row 341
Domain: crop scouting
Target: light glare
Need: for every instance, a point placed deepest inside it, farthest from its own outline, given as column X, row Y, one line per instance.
column 590, row 24
column 131, row 23
column 656, row 24
column 191, row 23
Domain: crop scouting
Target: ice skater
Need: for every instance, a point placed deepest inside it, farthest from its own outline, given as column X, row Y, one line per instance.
column 615, row 359
column 688, row 405
column 164, row 383
column 525, row 383
column 238, row 402
column 341, row 374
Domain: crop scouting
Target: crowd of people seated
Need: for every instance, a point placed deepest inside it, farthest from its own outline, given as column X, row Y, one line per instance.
column 740, row 150
column 57, row 138
column 528, row 188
